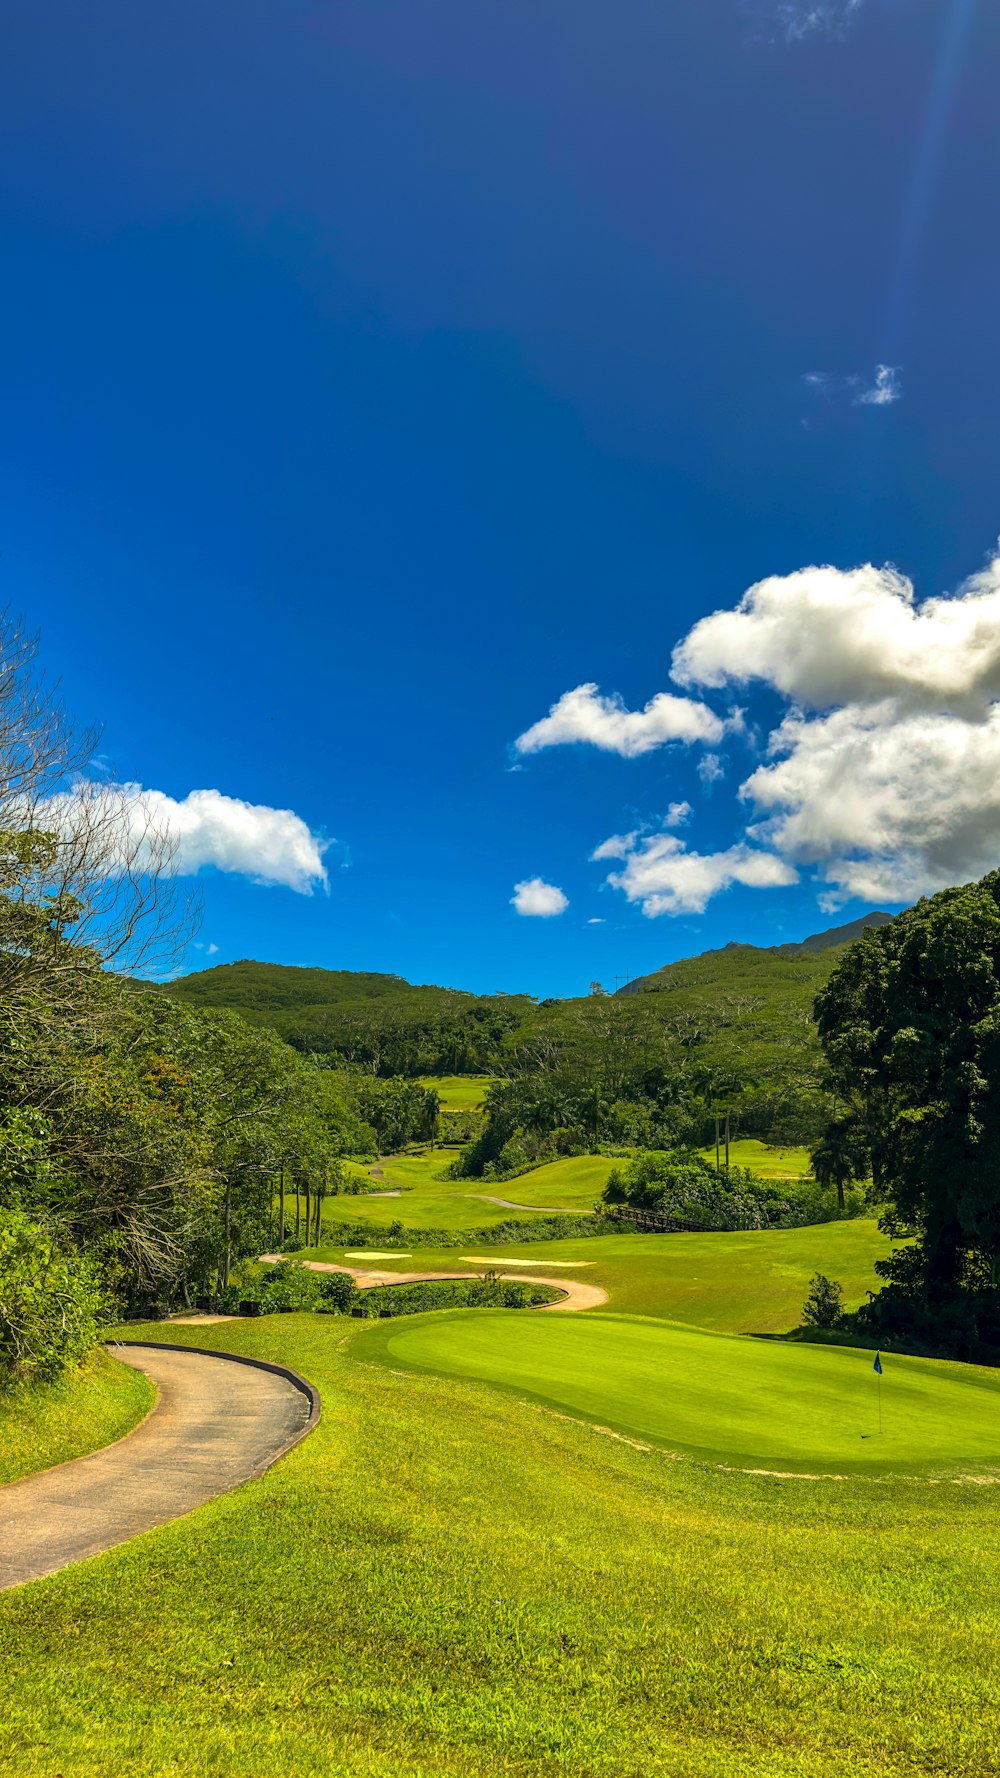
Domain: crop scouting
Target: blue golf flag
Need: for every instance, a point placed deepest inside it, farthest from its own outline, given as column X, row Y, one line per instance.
column 877, row 1366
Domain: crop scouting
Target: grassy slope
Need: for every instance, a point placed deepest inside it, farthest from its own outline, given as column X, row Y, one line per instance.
column 428, row 1202
column 766, row 1162
column 458, row 1092
column 736, row 1283
column 91, row 1407
column 445, row 1580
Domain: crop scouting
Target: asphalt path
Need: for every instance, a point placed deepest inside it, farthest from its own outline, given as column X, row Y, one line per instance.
column 216, row 1422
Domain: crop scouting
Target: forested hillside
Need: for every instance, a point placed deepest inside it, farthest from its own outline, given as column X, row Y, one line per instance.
column 378, row 1022
column 728, row 1031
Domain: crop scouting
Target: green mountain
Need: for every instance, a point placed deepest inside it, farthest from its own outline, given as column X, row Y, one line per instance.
column 834, row 938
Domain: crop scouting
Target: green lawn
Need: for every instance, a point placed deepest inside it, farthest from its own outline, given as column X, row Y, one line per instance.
column 459, row 1092
column 428, row 1201
column 744, row 1282
column 90, row 1407
column 446, row 1580
column 767, row 1163
column 571, row 1184
column 720, row 1397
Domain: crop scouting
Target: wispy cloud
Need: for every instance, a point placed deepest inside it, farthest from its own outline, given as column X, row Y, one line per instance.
column 885, row 389
column 796, row 19
column 879, row 390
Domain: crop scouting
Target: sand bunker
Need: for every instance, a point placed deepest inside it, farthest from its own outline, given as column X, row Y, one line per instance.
column 479, row 1259
column 395, row 1254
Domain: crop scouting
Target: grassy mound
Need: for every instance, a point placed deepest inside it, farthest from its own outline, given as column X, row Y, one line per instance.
column 443, row 1581
column 89, row 1408
column 722, row 1398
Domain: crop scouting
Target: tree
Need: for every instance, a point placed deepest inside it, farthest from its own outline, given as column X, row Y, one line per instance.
column 910, row 1023
column 838, row 1158
column 822, row 1307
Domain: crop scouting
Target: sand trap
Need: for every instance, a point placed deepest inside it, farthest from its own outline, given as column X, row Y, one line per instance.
column 395, row 1254
column 478, row 1259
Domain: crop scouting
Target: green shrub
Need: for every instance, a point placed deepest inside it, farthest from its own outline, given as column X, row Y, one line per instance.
column 54, row 1304
column 823, row 1305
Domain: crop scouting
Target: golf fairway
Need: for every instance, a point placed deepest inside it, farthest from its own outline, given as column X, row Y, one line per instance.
column 720, row 1397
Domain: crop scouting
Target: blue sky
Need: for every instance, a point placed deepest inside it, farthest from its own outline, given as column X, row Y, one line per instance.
column 374, row 375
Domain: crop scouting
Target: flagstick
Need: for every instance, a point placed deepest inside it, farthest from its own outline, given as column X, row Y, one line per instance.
column 880, row 1402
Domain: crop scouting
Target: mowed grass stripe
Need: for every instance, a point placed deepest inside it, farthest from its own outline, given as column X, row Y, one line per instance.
column 720, row 1397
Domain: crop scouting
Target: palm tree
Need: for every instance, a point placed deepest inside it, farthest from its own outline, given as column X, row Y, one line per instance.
column 837, row 1158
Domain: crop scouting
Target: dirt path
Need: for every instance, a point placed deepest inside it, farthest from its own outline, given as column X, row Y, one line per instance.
column 578, row 1295
column 217, row 1421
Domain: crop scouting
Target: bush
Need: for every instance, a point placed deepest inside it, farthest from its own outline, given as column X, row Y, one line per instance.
column 683, row 1186
column 823, row 1305
column 53, row 1304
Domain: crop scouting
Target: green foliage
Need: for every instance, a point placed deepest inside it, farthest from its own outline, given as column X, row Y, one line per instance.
column 910, row 1024
column 489, row 1292
column 824, row 1304
column 683, row 1187
column 341, row 1235
column 399, row 1111
column 53, row 1304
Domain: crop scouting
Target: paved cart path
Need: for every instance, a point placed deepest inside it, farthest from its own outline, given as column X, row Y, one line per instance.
column 216, row 1422
column 577, row 1294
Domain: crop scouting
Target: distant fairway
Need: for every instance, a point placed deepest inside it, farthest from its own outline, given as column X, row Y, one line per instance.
column 724, row 1399
column 571, row 1184
column 767, row 1163
column 429, row 1202
column 458, row 1092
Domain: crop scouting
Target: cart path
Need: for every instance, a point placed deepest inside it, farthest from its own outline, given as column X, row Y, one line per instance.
column 217, row 1421
column 539, row 1209
column 578, row 1295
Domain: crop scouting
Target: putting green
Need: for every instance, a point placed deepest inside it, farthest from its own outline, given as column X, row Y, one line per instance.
column 719, row 1397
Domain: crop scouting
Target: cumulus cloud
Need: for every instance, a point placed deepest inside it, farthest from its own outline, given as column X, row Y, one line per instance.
column 271, row 846
column 665, row 878
column 883, row 773
column 534, row 896
column 584, row 715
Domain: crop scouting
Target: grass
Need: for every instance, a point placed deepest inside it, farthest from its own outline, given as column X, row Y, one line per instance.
column 431, row 1202
column 742, row 1282
column 459, row 1092
column 721, row 1398
column 766, row 1162
column 447, row 1580
column 90, row 1407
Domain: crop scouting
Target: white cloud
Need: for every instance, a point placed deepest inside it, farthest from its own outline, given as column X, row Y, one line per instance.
column 880, row 390
column 882, row 774
column 884, row 390
column 540, row 898
column 596, row 921
column 710, row 769
column 271, row 846
column 678, row 813
column 664, row 878
column 584, row 715
column 618, row 846
column 806, row 18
